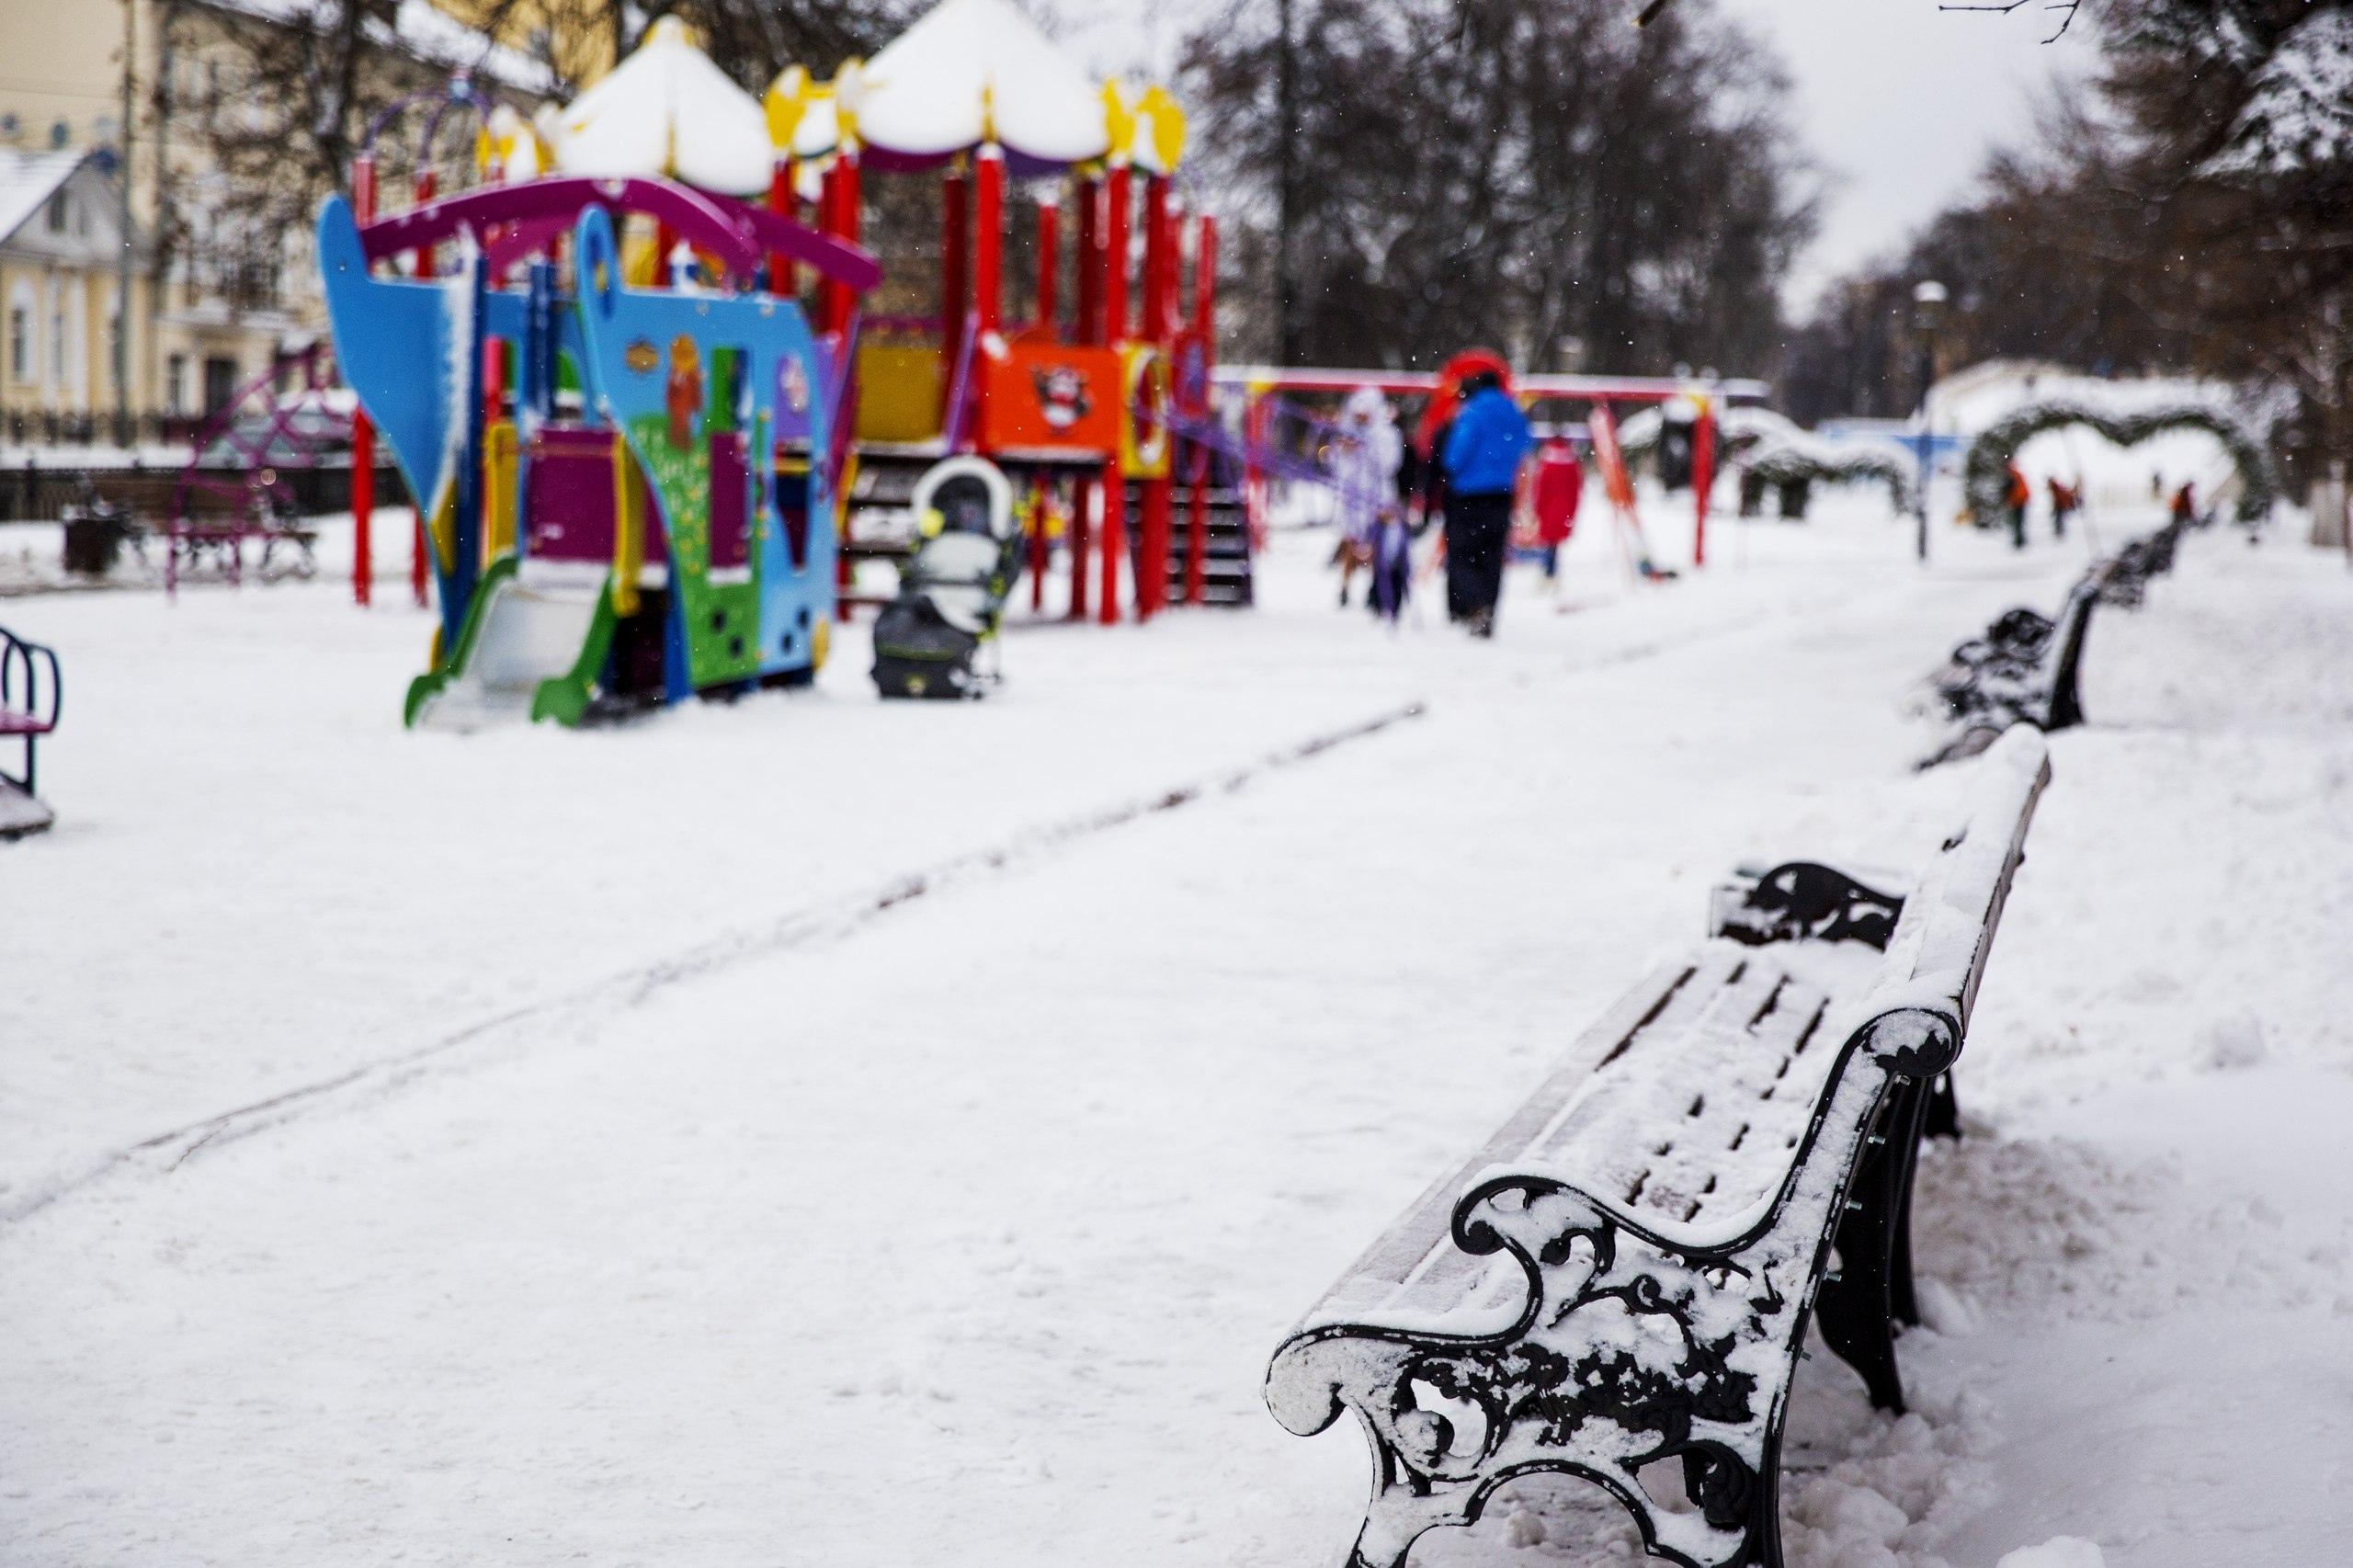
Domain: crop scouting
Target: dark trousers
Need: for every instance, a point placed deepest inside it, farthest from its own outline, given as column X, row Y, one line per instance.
column 1476, row 530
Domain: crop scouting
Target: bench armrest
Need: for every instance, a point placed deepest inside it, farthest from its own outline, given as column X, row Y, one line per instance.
column 1803, row 900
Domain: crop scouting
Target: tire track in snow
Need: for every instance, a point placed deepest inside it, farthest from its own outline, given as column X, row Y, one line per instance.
column 834, row 920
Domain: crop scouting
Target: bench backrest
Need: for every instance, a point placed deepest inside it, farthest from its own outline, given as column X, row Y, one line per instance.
column 1748, row 1016
column 1941, row 941
column 2066, row 704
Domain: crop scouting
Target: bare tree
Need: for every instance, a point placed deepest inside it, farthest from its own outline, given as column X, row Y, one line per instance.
column 1505, row 171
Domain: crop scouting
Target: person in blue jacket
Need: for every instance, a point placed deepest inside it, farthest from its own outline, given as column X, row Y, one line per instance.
column 1482, row 457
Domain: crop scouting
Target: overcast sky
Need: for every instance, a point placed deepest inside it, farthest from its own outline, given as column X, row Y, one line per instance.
column 1897, row 100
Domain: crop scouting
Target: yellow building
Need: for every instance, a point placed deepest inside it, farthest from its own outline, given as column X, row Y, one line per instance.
column 60, row 244
column 212, row 302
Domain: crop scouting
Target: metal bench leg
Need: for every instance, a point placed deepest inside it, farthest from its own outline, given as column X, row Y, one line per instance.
column 1732, row 1497
column 1944, row 1111
column 1916, row 1107
column 1853, row 1307
column 1765, row 1508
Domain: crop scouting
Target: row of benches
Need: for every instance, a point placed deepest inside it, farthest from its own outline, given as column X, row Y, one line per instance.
column 1619, row 1284
column 2025, row 668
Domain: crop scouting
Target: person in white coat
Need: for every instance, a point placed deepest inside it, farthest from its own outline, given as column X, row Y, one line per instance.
column 1364, row 472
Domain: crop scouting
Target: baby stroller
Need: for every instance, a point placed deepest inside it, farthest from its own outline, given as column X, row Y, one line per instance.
column 952, row 592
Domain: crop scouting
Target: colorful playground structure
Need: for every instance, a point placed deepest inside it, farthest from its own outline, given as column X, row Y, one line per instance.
column 1077, row 400
column 627, row 491
column 645, row 249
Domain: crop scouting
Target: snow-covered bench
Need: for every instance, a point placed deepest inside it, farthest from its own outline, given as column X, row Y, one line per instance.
column 2127, row 579
column 2025, row 669
column 1617, row 1285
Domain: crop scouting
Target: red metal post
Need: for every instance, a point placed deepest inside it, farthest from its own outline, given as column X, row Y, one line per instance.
column 363, row 430
column 1114, row 240
column 1049, row 259
column 1088, row 263
column 841, row 222
column 1153, row 323
column 1703, row 478
column 988, row 237
column 1114, row 542
column 988, row 266
column 1083, row 497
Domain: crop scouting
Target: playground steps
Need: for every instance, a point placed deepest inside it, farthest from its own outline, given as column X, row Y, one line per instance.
column 529, row 632
column 1226, row 574
column 20, row 814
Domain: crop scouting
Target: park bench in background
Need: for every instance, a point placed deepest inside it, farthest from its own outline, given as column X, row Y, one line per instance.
column 2127, row 580
column 29, row 705
column 2027, row 668
column 1617, row 1287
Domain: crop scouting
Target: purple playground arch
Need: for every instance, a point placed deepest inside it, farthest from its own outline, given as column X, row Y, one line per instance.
column 533, row 213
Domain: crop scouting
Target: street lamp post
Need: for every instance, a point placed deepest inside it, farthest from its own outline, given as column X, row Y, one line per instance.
column 1927, row 311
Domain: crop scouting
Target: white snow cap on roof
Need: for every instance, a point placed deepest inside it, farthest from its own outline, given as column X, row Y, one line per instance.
column 938, row 87
column 29, row 179
column 666, row 111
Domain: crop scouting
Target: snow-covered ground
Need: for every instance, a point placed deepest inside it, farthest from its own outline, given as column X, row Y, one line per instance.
column 818, row 1131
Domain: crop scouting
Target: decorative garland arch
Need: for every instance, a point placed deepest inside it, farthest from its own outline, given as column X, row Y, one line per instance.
column 1986, row 469
column 1779, row 460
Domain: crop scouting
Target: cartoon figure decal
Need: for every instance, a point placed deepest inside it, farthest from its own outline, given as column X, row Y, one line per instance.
column 1063, row 395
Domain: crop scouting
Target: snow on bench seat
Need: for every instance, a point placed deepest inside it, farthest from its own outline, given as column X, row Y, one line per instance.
column 1623, row 1274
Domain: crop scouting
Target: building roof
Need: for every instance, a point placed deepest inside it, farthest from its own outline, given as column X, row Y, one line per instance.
column 29, row 179
column 422, row 32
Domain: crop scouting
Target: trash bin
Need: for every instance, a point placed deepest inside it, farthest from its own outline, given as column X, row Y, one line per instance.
column 94, row 539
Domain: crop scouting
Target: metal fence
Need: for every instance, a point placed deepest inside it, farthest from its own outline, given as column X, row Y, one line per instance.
column 20, row 429
column 29, row 492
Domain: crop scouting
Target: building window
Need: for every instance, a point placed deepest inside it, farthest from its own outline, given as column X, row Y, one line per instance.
column 220, row 383
column 20, row 343
column 57, row 214
column 176, row 383
column 56, row 342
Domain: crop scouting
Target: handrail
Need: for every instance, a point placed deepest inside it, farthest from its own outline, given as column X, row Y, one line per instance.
column 19, row 652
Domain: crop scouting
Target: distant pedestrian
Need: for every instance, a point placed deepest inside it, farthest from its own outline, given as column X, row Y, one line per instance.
column 1364, row 473
column 2015, row 496
column 1482, row 457
column 2184, row 509
column 1553, row 492
column 2064, row 499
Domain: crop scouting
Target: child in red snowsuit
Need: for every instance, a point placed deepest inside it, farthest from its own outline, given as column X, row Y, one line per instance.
column 1553, row 492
